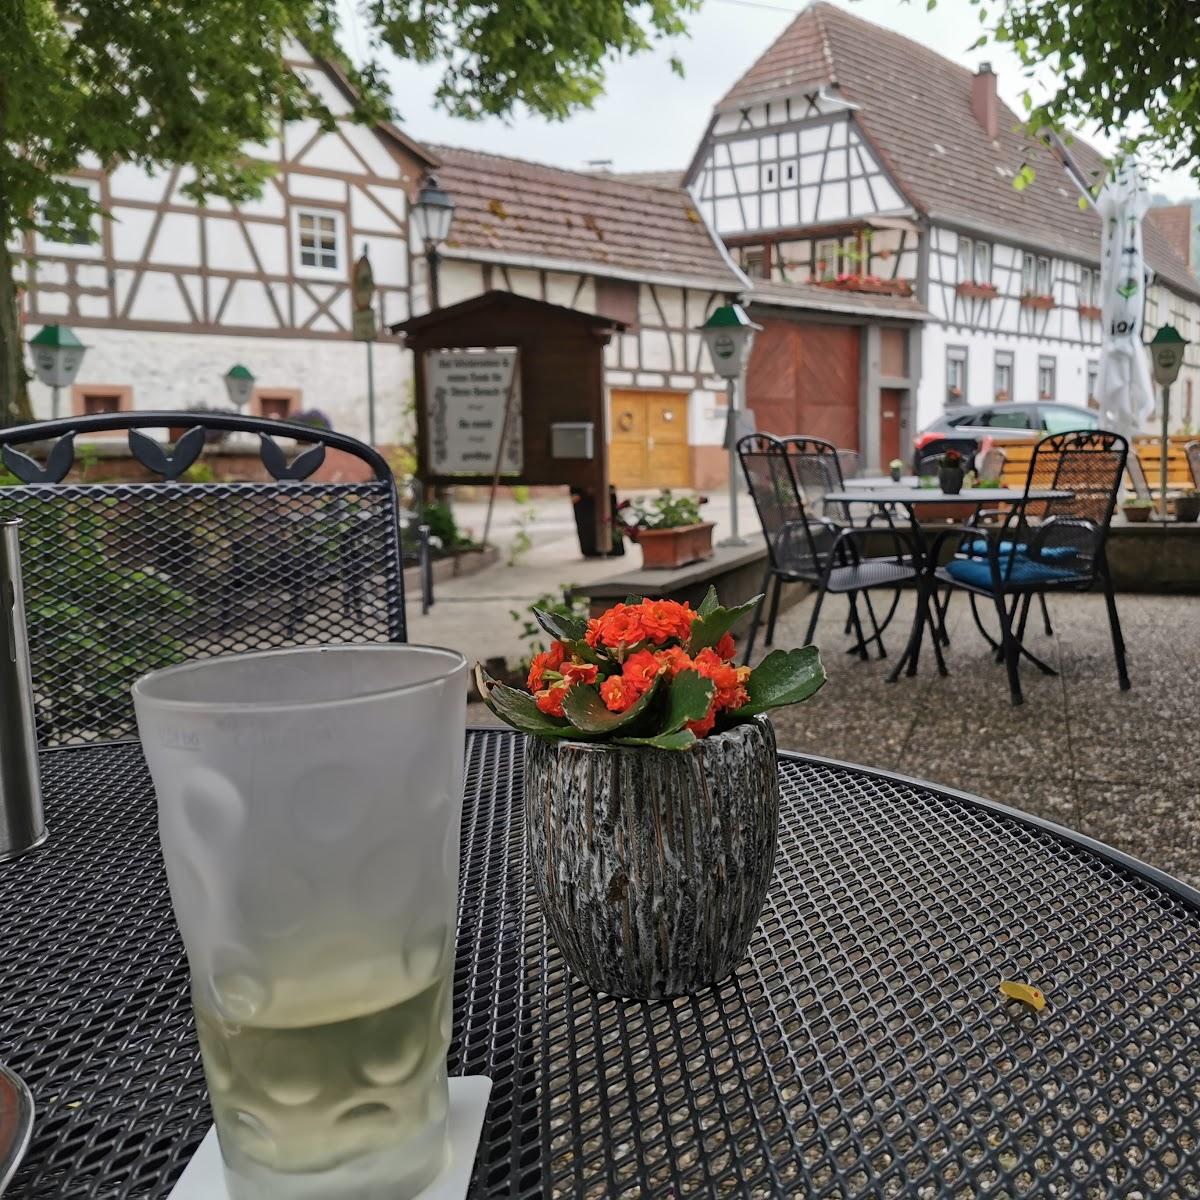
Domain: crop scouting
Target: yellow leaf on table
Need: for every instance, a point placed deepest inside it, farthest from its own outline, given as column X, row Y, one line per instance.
column 1024, row 992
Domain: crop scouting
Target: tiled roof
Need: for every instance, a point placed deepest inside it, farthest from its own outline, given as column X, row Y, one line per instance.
column 823, row 299
column 915, row 107
column 1175, row 222
column 509, row 210
column 658, row 179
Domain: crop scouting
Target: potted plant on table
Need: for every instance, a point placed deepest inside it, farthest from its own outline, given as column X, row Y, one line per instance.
column 651, row 789
column 896, row 469
column 1137, row 510
column 1187, row 505
column 951, row 472
column 670, row 530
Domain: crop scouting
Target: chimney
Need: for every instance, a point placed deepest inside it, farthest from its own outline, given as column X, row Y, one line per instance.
column 984, row 103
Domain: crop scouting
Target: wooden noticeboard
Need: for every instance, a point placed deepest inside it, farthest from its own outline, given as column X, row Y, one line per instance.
column 462, row 355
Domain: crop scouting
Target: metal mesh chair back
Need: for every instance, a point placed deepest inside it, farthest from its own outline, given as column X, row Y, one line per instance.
column 122, row 578
column 1192, row 452
column 1091, row 465
column 794, row 542
column 817, row 465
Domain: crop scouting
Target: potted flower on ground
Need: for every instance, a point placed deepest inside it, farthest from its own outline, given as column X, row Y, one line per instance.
column 670, row 531
column 651, row 789
column 951, row 472
column 1137, row 510
column 1187, row 505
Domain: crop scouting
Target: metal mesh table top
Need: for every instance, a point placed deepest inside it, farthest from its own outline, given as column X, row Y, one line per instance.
column 862, row 1050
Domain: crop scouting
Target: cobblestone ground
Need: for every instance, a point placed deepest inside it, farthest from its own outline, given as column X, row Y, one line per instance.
column 1122, row 767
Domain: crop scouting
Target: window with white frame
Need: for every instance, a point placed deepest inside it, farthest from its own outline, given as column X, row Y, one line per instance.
column 956, row 375
column 318, row 240
column 81, row 241
column 983, row 262
column 1004, row 375
column 1043, row 276
column 1089, row 288
column 1046, row 374
column 826, row 266
column 966, row 260
column 1028, row 274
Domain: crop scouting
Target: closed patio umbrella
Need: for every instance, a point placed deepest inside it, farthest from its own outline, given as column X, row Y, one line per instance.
column 1124, row 390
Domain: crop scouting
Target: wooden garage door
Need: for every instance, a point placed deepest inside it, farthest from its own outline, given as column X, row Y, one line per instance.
column 649, row 445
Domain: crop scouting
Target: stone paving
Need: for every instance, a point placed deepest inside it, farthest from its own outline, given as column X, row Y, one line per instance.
column 1122, row 767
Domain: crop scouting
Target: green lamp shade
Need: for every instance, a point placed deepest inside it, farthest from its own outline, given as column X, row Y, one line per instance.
column 239, row 383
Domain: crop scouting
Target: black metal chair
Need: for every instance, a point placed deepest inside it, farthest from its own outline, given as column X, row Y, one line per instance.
column 1045, row 546
column 121, row 578
column 805, row 547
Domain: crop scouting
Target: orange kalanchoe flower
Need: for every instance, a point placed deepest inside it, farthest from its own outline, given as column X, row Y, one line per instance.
column 637, row 677
column 726, row 647
column 666, row 619
column 728, row 680
column 579, row 672
column 546, row 660
column 656, row 621
column 550, row 701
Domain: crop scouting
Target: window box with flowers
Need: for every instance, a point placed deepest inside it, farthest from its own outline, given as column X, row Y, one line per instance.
column 648, row 744
column 865, row 283
column 977, row 291
column 1034, row 300
column 1089, row 312
column 670, row 531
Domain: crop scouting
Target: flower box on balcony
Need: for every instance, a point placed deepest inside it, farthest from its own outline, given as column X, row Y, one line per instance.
column 867, row 283
column 977, row 291
column 1042, row 303
column 1089, row 312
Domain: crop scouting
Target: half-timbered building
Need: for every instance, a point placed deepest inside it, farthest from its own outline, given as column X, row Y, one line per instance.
column 868, row 183
column 172, row 293
column 641, row 254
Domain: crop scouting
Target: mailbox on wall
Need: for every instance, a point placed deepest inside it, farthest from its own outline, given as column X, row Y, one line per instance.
column 572, row 439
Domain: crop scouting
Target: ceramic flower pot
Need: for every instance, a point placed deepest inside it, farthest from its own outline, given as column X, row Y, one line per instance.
column 1187, row 508
column 652, row 866
column 895, row 473
column 666, row 549
column 950, row 480
column 1137, row 514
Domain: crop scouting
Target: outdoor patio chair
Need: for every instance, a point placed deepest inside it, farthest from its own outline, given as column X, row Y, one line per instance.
column 121, row 578
column 813, row 548
column 1047, row 546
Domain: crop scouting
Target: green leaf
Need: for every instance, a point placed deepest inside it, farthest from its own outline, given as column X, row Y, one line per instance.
column 557, row 625
column 520, row 710
column 710, row 603
column 708, row 630
column 585, row 709
column 688, row 697
column 783, row 677
column 634, row 599
column 681, row 739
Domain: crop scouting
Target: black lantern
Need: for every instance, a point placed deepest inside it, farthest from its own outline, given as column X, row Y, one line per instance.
column 432, row 214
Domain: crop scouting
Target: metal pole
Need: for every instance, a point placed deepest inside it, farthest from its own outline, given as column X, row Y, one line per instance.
column 433, row 258
column 733, row 539
column 371, row 392
column 1162, row 461
column 55, row 410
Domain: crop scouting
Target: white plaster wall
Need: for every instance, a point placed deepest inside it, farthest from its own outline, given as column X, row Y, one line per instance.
column 176, row 370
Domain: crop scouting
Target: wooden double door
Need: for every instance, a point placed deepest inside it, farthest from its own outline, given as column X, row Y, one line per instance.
column 649, row 442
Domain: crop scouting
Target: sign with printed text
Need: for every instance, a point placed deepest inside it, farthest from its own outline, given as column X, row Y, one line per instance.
column 465, row 395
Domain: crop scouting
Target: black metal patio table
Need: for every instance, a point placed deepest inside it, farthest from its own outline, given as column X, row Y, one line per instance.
column 909, row 498
column 862, row 1049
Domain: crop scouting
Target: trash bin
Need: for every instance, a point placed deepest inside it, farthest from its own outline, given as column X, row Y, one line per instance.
column 584, row 504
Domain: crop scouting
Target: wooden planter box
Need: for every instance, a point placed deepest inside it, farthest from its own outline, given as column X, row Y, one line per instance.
column 666, row 549
column 977, row 291
column 877, row 287
column 1043, row 303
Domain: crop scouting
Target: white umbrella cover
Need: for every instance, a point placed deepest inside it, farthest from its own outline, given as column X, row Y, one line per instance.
column 1125, row 390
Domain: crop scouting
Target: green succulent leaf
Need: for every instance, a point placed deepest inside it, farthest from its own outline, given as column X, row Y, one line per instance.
column 783, row 677
column 710, row 628
column 688, row 697
column 634, row 599
column 681, row 739
column 710, row 603
column 585, row 709
column 557, row 625
column 520, row 710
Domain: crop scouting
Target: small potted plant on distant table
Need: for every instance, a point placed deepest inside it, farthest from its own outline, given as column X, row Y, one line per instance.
column 1187, row 505
column 896, row 469
column 951, row 473
column 670, row 531
column 1137, row 511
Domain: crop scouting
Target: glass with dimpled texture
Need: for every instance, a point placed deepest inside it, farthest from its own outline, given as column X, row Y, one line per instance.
column 309, row 806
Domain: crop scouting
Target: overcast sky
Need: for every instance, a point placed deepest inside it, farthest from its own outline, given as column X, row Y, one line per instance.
column 651, row 119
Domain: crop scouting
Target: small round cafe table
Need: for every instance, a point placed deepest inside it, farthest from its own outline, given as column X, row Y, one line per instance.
column 863, row 1049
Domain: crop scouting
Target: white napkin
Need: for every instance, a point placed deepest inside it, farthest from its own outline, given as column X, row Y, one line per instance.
column 204, row 1177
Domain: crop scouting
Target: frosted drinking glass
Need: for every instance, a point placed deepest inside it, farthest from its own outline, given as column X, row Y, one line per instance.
column 309, row 805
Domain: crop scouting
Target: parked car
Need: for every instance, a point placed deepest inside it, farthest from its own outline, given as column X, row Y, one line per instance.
column 968, row 430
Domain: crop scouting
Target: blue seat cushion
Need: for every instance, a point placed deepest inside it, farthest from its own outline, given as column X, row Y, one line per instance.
column 1048, row 553
column 978, row 573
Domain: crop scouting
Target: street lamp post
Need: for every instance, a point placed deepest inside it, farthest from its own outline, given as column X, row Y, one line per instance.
column 1166, row 358
column 432, row 214
column 239, row 383
column 57, row 357
column 729, row 334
